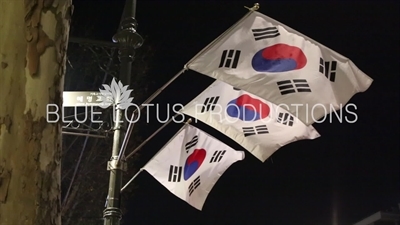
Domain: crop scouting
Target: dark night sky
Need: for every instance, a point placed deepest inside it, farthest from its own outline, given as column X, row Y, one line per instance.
column 352, row 170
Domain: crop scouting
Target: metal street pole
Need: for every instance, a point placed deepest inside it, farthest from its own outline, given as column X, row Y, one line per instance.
column 128, row 40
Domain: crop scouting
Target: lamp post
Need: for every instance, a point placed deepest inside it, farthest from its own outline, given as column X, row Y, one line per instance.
column 129, row 40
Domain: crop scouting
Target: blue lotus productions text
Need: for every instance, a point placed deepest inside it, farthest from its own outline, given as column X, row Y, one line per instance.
column 165, row 113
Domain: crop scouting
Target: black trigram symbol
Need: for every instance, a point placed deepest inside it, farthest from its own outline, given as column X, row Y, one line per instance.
column 217, row 156
column 328, row 69
column 261, row 129
column 195, row 184
column 236, row 89
column 264, row 33
column 175, row 173
column 229, row 59
column 285, row 119
column 209, row 104
column 293, row 86
column 191, row 143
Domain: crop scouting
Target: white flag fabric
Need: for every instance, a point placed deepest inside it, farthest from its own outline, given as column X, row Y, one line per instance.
column 257, row 125
column 191, row 163
column 275, row 62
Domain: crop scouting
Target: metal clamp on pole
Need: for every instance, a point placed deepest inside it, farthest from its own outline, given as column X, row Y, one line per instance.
column 115, row 164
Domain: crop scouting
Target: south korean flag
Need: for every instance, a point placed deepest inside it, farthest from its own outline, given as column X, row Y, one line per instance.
column 191, row 163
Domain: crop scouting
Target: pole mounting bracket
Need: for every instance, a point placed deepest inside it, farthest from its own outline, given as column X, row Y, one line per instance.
column 115, row 164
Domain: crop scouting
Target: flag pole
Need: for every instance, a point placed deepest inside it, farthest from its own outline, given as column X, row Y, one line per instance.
column 131, row 180
column 141, row 145
column 150, row 137
column 148, row 100
column 255, row 7
column 224, row 34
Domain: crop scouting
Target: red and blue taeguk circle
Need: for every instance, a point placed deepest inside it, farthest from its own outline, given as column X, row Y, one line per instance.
column 193, row 162
column 247, row 108
column 279, row 58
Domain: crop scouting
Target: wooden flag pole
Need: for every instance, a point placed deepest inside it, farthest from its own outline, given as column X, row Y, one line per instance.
column 147, row 140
